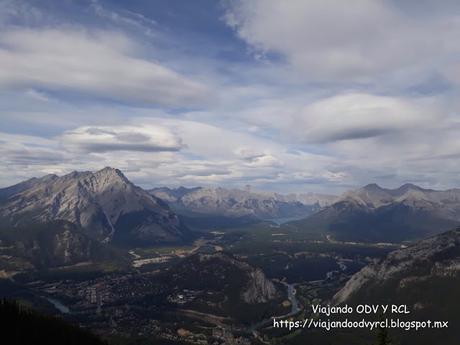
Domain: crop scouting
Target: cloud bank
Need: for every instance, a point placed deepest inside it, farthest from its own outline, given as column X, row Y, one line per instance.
column 288, row 96
column 100, row 63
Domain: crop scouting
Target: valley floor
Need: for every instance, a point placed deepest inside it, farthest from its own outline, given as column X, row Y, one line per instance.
column 142, row 302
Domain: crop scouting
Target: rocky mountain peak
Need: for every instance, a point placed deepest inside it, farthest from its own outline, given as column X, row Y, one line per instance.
column 373, row 187
column 373, row 213
column 408, row 186
column 374, row 196
column 371, row 195
column 102, row 203
column 111, row 172
column 110, row 178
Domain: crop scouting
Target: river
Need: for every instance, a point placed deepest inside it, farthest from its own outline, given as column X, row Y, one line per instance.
column 58, row 305
column 295, row 308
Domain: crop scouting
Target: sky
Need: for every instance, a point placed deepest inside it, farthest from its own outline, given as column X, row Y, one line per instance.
column 287, row 96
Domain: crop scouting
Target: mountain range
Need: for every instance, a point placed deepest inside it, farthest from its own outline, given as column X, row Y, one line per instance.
column 376, row 214
column 229, row 205
column 82, row 216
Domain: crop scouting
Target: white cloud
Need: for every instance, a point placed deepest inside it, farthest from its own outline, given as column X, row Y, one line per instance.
column 125, row 17
column 12, row 11
column 357, row 115
column 334, row 40
column 37, row 95
column 102, row 64
column 148, row 138
column 252, row 157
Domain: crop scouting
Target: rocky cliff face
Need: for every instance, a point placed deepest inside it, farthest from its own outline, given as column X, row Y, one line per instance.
column 105, row 205
column 259, row 289
column 242, row 203
column 437, row 257
column 235, row 279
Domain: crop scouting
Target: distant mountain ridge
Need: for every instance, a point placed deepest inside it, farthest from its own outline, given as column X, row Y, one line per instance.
column 376, row 214
column 374, row 196
column 242, row 203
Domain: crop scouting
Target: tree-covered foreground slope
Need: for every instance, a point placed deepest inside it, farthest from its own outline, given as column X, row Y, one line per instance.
column 425, row 277
column 21, row 326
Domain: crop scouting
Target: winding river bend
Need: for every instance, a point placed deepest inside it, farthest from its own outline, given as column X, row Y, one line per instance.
column 295, row 308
